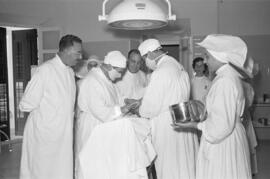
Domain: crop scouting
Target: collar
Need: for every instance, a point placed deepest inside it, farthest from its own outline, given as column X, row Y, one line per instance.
column 162, row 58
column 228, row 71
column 199, row 77
column 132, row 74
column 59, row 62
column 102, row 75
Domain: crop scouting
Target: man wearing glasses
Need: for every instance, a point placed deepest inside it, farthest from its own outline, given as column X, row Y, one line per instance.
column 98, row 100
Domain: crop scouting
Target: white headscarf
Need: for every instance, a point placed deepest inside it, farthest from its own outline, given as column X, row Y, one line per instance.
column 226, row 48
column 116, row 59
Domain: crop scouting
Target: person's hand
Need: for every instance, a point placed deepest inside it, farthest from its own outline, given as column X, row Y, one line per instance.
column 190, row 124
column 135, row 103
column 135, row 111
column 129, row 107
column 129, row 100
column 124, row 109
column 197, row 111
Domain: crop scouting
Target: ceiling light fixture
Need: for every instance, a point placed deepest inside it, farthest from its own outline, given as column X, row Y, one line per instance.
column 136, row 15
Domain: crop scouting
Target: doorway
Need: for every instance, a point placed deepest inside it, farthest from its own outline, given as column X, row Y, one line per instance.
column 172, row 49
column 4, row 100
column 24, row 51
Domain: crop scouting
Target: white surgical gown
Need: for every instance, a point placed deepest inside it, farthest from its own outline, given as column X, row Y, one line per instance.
column 98, row 103
column 117, row 150
column 47, row 140
column 223, row 151
column 132, row 85
column 176, row 150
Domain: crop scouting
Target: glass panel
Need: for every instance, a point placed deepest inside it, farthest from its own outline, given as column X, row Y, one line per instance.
column 50, row 40
column 19, row 94
column 19, row 61
column 48, row 56
column 3, row 103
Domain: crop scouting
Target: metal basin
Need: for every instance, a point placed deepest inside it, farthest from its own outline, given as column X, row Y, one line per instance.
column 180, row 112
column 187, row 111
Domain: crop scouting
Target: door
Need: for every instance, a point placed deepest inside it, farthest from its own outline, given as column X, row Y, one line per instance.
column 4, row 103
column 24, row 49
column 48, row 39
column 172, row 49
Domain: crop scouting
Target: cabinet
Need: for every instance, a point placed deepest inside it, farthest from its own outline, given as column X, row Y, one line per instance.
column 262, row 128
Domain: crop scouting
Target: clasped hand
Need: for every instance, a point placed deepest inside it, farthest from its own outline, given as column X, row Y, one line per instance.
column 131, row 105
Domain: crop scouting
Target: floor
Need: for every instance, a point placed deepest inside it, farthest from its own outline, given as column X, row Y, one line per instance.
column 11, row 153
column 10, row 159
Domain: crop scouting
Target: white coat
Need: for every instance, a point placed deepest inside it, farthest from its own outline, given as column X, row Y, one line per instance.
column 47, row 139
column 223, row 151
column 176, row 150
column 251, row 136
column 200, row 86
column 132, row 85
column 97, row 102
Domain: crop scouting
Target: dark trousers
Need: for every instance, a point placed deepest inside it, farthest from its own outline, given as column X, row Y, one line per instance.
column 151, row 171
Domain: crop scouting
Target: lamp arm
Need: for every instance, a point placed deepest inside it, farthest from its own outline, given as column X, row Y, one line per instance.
column 170, row 15
column 103, row 17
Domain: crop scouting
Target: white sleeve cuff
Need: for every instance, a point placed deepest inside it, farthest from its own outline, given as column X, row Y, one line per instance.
column 200, row 126
column 117, row 111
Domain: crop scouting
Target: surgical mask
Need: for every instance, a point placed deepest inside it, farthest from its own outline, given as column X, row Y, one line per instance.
column 151, row 63
column 114, row 75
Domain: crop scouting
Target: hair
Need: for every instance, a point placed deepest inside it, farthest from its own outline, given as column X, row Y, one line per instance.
column 67, row 41
column 196, row 60
column 133, row 51
column 206, row 70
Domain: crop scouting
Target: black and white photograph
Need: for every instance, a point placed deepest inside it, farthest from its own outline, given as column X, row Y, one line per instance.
column 134, row 89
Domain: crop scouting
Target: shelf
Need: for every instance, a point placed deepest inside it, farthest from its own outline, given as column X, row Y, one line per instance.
column 259, row 125
column 261, row 104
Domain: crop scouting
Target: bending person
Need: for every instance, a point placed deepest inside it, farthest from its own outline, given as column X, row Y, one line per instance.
column 98, row 100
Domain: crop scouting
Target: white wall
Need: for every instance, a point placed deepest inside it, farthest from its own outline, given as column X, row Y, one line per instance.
column 244, row 17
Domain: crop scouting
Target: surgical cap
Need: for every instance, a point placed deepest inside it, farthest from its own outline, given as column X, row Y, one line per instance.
column 116, row 59
column 149, row 45
column 93, row 58
column 226, row 48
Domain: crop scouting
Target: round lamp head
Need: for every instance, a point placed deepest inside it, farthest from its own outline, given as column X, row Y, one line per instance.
column 137, row 15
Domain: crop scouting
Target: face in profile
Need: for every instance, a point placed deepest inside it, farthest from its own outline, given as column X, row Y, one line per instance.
column 211, row 62
column 134, row 63
column 74, row 54
column 116, row 74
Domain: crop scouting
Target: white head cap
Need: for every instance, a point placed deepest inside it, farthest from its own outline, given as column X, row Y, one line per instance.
column 226, row 48
column 149, row 45
column 94, row 58
column 116, row 59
